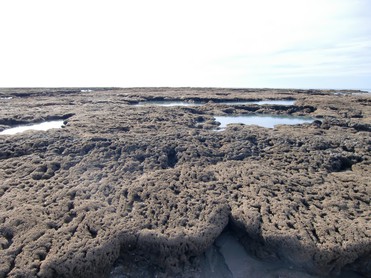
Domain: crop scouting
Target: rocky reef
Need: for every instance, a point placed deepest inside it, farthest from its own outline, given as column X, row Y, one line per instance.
column 158, row 185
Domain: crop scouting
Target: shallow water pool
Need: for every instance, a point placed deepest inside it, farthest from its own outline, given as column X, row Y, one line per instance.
column 261, row 102
column 40, row 126
column 169, row 103
column 268, row 121
column 199, row 103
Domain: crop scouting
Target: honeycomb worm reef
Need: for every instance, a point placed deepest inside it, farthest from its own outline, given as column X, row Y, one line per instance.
column 160, row 183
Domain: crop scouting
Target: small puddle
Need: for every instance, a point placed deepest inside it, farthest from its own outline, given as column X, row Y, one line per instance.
column 342, row 93
column 268, row 121
column 41, row 126
column 169, row 103
column 261, row 102
column 199, row 103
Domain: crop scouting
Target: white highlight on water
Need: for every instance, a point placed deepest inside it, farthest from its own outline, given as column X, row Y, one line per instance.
column 261, row 102
column 268, row 121
column 41, row 126
column 169, row 103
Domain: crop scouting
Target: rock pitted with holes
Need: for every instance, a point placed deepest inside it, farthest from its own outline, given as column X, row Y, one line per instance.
column 160, row 183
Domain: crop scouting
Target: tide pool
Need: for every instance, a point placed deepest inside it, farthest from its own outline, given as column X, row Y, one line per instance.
column 268, row 121
column 40, row 126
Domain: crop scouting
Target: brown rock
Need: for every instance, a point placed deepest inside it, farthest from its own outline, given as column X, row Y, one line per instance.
column 158, row 184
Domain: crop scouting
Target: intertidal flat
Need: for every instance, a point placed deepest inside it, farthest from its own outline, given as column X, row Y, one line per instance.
column 154, row 187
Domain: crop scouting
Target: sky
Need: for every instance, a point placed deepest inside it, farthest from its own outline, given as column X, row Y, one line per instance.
column 238, row 44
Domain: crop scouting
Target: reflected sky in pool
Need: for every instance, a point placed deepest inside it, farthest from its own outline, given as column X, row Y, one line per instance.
column 169, row 103
column 199, row 103
column 268, row 121
column 40, row 126
column 261, row 102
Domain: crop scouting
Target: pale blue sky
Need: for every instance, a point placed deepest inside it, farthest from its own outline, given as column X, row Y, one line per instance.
column 234, row 43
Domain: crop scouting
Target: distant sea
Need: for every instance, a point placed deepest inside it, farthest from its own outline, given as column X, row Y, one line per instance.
column 367, row 90
column 345, row 89
column 361, row 89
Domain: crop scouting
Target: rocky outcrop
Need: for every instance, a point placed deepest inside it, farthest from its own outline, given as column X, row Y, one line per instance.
column 159, row 184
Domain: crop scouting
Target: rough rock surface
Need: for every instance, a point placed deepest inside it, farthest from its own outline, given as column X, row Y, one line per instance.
column 160, row 183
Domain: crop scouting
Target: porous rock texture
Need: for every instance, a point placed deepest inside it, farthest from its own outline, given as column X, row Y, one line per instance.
column 162, row 184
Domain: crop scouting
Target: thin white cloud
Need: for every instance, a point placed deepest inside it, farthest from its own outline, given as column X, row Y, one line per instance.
column 350, row 58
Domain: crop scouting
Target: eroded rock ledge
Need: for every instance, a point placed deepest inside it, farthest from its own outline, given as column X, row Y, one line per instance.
column 162, row 184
